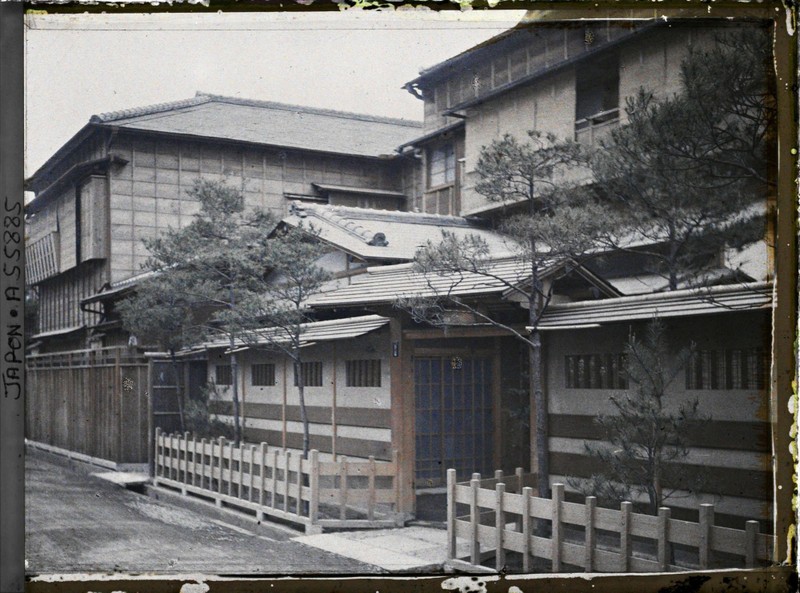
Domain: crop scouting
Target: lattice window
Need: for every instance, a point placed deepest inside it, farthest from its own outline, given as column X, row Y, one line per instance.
column 262, row 374
column 42, row 259
column 224, row 374
column 312, row 374
column 727, row 369
column 363, row 373
column 595, row 371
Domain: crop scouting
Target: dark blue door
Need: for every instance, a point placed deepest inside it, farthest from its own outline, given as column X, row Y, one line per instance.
column 453, row 418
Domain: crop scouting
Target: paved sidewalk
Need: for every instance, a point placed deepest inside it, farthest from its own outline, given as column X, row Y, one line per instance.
column 406, row 549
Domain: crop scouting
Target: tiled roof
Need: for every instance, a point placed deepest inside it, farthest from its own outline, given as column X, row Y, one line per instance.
column 267, row 122
column 313, row 332
column 385, row 284
column 677, row 303
column 353, row 229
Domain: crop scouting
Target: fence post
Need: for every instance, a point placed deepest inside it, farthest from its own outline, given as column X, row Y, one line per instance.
column 263, row 476
column 274, row 493
column 706, row 523
column 498, row 474
column 240, row 481
column 313, row 484
column 343, row 488
column 474, row 520
column 194, row 459
column 156, row 457
column 287, row 456
column 371, row 486
column 299, row 485
column 527, row 492
column 185, row 462
column 518, row 473
column 589, row 539
column 499, row 526
column 203, row 464
column 625, row 536
column 663, row 538
column 557, row 530
column 750, row 544
column 252, row 473
column 230, row 468
column 451, row 514
column 174, row 457
column 221, row 461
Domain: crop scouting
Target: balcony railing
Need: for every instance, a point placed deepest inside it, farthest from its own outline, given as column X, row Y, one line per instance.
column 441, row 200
column 590, row 130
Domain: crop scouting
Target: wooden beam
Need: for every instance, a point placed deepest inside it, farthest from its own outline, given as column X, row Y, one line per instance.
column 460, row 332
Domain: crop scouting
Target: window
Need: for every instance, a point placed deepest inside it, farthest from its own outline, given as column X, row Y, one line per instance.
column 727, row 369
column 262, row 374
column 442, row 165
column 312, row 374
column 595, row 371
column 596, row 99
column 363, row 373
column 224, row 374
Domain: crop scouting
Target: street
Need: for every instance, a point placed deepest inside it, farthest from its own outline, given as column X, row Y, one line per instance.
column 79, row 523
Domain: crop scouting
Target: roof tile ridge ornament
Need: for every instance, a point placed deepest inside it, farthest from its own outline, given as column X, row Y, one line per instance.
column 110, row 116
column 334, row 215
column 303, row 109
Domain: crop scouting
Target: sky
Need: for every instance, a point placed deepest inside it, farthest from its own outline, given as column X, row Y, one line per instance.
column 80, row 65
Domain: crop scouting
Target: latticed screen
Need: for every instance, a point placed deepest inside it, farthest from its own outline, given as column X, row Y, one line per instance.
column 312, row 374
column 363, row 373
column 595, row 371
column 454, row 419
column 224, row 374
column 263, row 374
column 727, row 369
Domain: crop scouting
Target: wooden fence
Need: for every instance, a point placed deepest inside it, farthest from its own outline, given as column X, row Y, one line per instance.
column 277, row 482
column 92, row 402
column 564, row 534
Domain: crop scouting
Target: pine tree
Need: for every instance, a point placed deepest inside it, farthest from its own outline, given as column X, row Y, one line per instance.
column 647, row 433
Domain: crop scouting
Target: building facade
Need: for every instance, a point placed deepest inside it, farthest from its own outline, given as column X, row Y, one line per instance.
column 377, row 190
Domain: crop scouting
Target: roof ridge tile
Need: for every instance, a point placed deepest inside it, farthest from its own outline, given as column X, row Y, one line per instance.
column 110, row 116
column 202, row 98
column 309, row 109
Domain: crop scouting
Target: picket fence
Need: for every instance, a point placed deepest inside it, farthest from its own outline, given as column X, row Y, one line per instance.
column 501, row 520
column 280, row 483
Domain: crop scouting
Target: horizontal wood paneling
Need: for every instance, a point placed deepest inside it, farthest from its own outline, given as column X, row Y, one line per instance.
column 367, row 417
column 344, row 446
column 717, row 480
column 716, row 434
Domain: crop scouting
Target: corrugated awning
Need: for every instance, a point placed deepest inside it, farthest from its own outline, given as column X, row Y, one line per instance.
column 311, row 333
column 677, row 303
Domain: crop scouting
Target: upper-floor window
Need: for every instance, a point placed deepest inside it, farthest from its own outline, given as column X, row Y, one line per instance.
column 263, row 374
column 596, row 98
column 727, row 369
column 312, row 374
column 224, row 374
column 442, row 165
column 595, row 371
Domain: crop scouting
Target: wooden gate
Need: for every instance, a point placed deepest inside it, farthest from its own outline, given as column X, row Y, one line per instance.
column 92, row 402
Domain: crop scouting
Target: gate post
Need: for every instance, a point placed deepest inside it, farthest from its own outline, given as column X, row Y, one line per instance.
column 150, row 419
